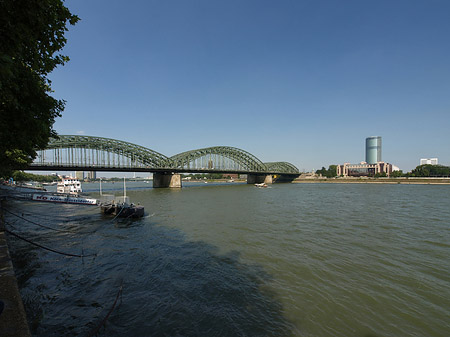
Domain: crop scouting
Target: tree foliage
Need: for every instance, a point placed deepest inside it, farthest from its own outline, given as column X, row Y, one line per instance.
column 431, row 171
column 23, row 176
column 329, row 173
column 397, row 174
column 31, row 35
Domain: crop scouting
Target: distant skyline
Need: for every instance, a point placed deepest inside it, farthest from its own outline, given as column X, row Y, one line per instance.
column 299, row 81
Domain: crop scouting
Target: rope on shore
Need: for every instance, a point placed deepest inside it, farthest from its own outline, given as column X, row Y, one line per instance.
column 95, row 331
column 35, row 223
column 43, row 247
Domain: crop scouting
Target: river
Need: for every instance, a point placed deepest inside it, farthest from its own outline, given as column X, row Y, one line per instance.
column 235, row 260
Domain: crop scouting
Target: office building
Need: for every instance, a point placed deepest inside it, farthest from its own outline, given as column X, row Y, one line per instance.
column 373, row 164
column 364, row 169
column 428, row 161
column 373, row 150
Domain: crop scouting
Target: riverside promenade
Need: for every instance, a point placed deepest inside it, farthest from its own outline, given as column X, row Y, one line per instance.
column 13, row 320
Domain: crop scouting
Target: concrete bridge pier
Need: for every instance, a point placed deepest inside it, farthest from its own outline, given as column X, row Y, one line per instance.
column 170, row 179
column 284, row 178
column 259, row 178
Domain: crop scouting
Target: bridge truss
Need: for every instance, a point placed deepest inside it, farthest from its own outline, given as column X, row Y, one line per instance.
column 79, row 152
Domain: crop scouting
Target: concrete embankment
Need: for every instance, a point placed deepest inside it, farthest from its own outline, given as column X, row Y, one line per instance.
column 408, row 181
column 13, row 320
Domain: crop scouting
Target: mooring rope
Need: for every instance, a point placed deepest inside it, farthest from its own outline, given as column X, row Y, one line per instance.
column 35, row 223
column 95, row 331
column 53, row 229
column 119, row 212
column 43, row 247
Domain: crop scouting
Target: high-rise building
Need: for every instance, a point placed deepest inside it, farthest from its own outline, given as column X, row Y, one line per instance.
column 373, row 150
column 428, row 161
column 79, row 175
column 92, row 175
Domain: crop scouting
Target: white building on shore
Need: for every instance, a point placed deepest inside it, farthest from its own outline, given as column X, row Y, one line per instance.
column 428, row 161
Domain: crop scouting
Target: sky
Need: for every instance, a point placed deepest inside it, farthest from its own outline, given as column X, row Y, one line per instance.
column 292, row 80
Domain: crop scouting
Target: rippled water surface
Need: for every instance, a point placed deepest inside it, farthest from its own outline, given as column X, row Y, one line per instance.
column 235, row 260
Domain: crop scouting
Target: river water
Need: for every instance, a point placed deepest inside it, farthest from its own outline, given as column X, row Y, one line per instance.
column 234, row 260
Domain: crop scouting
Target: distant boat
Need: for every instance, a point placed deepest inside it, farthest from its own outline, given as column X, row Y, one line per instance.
column 69, row 185
column 53, row 183
column 261, row 185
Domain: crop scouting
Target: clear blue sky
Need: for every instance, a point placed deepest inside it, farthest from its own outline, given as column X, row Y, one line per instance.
column 298, row 81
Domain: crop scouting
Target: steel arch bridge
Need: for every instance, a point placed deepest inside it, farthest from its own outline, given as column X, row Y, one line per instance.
column 79, row 152
column 222, row 158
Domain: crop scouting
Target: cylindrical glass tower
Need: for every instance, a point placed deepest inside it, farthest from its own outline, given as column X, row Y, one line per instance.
column 373, row 150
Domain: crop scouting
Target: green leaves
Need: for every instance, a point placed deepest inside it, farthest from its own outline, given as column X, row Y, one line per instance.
column 330, row 173
column 431, row 171
column 31, row 35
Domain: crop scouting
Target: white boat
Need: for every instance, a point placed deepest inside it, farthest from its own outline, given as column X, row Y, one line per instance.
column 261, row 185
column 69, row 185
column 64, row 199
column 53, row 183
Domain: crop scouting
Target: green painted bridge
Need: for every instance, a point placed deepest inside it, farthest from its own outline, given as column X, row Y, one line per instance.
column 87, row 153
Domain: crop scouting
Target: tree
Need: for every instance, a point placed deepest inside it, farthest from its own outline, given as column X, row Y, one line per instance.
column 397, row 174
column 431, row 171
column 330, row 173
column 31, row 35
column 322, row 171
column 23, row 176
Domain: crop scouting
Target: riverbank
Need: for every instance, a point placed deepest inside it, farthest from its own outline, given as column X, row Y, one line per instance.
column 366, row 180
column 13, row 320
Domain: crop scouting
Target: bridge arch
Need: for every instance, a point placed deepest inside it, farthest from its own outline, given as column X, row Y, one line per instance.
column 80, row 152
column 100, row 147
column 219, row 158
column 282, row 167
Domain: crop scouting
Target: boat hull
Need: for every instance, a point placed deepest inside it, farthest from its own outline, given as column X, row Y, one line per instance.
column 123, row 211
column 65, row 199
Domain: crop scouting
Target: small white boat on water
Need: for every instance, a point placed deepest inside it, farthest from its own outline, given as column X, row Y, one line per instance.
column 261, row 185
column 69, row 185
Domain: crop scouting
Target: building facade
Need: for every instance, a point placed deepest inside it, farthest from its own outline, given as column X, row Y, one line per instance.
column 428, row 161
column 363, row 169
column 373, row 150
column 79, row 175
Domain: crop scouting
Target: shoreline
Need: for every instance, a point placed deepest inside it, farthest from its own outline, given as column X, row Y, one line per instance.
column 13, row 319
column 405, row 181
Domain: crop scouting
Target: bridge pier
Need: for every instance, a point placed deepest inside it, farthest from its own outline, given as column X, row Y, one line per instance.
column 171, row 180
column 259, row 178
column 284, row 178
